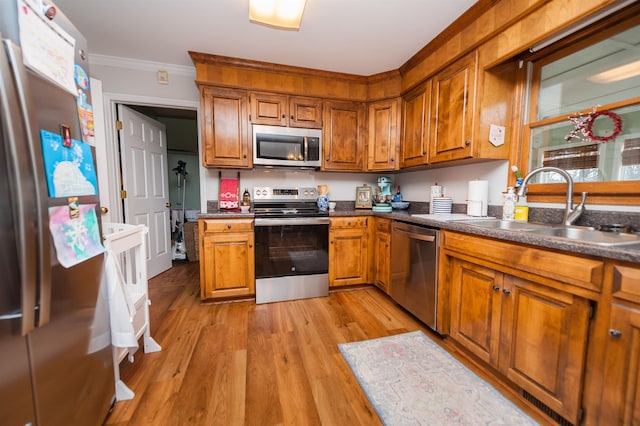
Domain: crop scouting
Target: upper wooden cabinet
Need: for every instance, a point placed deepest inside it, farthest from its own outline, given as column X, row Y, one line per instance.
column 414, row 146
column 384, row 135
column 282, row 110
column 225, row 133
column 343, row 136
column 452, row 114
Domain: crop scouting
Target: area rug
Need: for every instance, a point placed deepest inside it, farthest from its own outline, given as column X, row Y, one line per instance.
column 410, row 380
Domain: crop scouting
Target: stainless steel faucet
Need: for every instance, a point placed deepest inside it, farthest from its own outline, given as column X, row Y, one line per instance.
column 571, row 214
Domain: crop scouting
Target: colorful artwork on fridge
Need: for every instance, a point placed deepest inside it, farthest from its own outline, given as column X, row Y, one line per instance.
column 76, row 238
column 70, row 170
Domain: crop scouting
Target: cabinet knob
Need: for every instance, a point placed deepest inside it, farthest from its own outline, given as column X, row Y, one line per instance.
column 615, row 333
column 506, row 291
column 250, row 245
column 283, row 116
column 244, row 156
column 386, row 245
column 292, row 117
column 392, row 159
column 349, row 223
column 467, row 143
column 496, row 287
column 228, row 226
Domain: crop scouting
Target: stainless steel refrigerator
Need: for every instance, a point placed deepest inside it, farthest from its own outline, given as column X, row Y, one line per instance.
column 55, row 354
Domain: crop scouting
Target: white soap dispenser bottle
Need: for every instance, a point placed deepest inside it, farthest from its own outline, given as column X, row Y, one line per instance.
column 509, row 205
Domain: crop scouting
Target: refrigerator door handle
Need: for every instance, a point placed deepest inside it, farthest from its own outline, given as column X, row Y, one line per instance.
column 27, row 206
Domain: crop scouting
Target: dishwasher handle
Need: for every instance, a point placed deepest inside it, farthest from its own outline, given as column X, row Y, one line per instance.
column 416, row 232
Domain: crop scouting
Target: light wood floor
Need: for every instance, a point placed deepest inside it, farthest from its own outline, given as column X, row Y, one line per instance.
column 241, row 363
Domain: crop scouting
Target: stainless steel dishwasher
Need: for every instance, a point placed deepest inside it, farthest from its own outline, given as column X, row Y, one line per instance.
column 414, row 269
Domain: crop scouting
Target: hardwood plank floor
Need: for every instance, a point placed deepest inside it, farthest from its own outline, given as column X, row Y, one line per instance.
column 239, row 363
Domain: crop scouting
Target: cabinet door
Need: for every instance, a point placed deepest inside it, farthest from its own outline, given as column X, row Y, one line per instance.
column 475, row 308
column 544, row 334
column 414, row 147
column 225, row 128
column 343, row 140
column 305, row 112
column 621, row 388
column 384, row 135
column 620, row 397
column 348, row 257
column 453, row 111
column 382, row 254
column 227, row 265
column 269, row 109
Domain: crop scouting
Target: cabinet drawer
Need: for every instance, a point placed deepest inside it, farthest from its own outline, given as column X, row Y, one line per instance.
column 583, row 272
column 625, row 282
column 226, row 225
column 383, row 225
column 349, row 222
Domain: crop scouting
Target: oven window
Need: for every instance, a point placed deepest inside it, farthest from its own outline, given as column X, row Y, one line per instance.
column 285, row 250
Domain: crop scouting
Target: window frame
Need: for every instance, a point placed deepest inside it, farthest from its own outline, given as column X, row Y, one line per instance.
column 610, row 192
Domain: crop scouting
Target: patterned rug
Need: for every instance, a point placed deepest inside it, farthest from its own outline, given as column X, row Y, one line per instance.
column 410, row 380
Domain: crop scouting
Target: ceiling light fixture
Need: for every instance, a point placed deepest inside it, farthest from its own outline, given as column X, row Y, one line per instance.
column 281, row 14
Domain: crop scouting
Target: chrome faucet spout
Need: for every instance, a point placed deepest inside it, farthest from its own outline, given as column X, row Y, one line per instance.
column 571, row 214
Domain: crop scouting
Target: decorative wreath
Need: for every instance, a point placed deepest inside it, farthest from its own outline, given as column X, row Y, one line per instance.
column 617, row 126
column 583, row 126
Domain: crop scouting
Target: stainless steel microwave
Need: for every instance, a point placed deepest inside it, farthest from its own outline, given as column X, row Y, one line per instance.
column 287, row 146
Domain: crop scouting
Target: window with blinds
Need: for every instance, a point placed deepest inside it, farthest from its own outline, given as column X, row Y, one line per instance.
column 631, row 152
column 573, row 158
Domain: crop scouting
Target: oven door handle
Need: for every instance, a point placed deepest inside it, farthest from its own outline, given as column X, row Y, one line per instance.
column 292, row 221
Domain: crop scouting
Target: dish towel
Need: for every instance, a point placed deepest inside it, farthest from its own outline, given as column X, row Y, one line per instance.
column 228, row 193
column 121, row 307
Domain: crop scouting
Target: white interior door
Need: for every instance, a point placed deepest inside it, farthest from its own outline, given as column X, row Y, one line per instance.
column 143, row 152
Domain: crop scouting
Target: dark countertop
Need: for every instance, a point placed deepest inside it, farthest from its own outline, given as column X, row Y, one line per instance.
column 629, row 253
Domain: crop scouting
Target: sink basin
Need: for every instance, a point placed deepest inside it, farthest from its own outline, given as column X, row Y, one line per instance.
column 589, row 235
column 506, row 224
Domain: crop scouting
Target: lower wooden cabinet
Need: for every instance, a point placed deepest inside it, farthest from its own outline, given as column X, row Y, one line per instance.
column 528, row 328
column 382, row 253
column 615, row 391
column 226, row 258
column 348, row 251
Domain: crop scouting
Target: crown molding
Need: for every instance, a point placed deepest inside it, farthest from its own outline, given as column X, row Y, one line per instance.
column 140, row 65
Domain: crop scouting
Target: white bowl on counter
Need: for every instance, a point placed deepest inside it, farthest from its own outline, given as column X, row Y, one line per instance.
column 400, row 205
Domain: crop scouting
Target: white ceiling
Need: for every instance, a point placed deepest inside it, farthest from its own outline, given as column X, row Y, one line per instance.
column 361, row 37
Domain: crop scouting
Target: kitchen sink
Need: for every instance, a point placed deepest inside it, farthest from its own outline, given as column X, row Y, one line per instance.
column 506, row 224
column 588, row 235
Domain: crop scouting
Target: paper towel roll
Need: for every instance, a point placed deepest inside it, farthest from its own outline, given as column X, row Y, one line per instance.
column 478, row 197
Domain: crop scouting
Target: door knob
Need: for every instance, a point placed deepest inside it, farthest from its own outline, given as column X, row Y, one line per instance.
column 104, row 210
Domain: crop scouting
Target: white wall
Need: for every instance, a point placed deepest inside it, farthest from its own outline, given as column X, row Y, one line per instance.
column 342, row 186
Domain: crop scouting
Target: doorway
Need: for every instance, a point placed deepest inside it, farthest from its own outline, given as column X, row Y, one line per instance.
column 182, row 175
